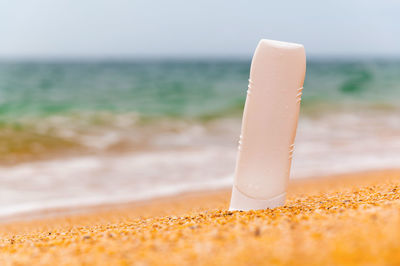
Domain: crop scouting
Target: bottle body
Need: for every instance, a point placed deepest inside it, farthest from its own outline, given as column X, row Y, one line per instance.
column 269, row 125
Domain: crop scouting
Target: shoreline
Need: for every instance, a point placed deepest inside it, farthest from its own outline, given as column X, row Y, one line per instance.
column 363, row 177
column 355, row 217
column 126, row 162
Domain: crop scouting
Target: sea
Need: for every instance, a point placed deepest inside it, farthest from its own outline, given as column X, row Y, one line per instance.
column 82, row 133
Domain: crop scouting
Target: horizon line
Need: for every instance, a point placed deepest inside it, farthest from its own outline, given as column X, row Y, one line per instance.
column 130, row 58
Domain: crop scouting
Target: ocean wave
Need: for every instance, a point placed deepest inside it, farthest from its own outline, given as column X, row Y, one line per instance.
column 194, row 156
column 89, row 133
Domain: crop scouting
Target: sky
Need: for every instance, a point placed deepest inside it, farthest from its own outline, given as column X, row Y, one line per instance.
column 207, row 28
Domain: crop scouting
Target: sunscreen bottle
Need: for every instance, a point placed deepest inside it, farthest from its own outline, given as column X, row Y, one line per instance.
column 269, row 125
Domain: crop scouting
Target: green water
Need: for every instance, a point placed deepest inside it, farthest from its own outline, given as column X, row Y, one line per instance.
column 178, row 88
column 98, row 132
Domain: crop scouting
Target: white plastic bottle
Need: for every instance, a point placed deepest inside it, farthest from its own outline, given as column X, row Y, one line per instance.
column 269, row 126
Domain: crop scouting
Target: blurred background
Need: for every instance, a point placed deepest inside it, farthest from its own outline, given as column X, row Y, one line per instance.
column 113, row 101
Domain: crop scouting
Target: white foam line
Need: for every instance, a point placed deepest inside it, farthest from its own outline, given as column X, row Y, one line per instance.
column 333, row 145
column 164, row 191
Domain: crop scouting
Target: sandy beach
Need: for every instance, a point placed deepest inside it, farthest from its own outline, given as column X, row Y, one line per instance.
column 347, row 219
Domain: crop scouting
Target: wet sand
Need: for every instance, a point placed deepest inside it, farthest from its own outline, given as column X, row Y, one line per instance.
column 347, row 219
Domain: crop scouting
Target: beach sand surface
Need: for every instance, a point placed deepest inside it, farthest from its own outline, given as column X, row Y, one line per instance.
column 351, row 219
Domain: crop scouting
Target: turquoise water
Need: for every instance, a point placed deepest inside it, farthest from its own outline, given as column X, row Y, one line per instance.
column 91, row 133
column 178, row 88
column 58, row 107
